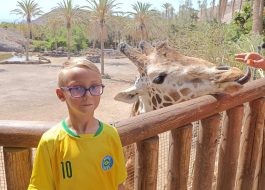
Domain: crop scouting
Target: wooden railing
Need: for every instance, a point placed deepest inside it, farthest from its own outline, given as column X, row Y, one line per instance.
column 241, row 161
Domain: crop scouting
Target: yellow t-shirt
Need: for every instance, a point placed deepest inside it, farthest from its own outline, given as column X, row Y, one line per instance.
column 66, row 161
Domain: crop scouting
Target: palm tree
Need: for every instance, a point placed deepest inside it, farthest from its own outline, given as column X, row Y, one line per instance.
column 27, row 9
column 171, row 12
column 213, row 14
column 70, row 13
column 142, row 14
column 167, row 6
column 53, row 25
column 101, row 10
column 240, row 4
column 258, row 6
column 221, row 10
column 116, row 27
column 233, row 7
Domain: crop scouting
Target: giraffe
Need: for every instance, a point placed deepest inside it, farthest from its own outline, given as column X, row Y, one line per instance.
column 167, row 77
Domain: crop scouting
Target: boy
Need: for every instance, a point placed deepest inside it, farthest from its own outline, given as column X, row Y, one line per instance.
column 80, row 152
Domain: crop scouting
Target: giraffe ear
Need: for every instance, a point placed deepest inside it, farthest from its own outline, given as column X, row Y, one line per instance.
column 129, row 95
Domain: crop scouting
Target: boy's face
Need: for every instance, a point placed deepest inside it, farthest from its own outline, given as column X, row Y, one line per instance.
column 81, row 77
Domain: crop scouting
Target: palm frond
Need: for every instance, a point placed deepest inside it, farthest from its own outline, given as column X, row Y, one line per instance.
column 27, row 9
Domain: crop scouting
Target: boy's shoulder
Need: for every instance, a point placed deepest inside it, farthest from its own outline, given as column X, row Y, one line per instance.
column 109, row 128
column 53, row 133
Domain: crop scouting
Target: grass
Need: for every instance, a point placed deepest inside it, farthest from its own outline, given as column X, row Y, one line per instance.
column 5, row 56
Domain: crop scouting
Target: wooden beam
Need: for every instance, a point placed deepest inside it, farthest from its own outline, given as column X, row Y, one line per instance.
column 146, row 164
column 205, row 153
column 22, row 133
column 252, row 146
column 18, row 167
column 261, row 180
column 229, row 148
column 179, row 158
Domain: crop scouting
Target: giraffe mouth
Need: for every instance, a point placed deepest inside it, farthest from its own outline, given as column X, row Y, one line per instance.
column 245, row 78
column 241, row 80
column 223, row 68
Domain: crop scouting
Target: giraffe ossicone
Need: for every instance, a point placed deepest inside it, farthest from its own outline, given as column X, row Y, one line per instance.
column 167, row 77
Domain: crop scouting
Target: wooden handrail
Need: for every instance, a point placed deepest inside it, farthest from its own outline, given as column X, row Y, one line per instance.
column 27, row 134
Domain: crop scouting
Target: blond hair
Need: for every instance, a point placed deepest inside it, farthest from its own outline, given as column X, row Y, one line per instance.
column 84, row 63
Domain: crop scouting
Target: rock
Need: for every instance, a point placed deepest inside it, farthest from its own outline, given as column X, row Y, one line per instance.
column 11, row 40
column 93, row 58
column 8, row 47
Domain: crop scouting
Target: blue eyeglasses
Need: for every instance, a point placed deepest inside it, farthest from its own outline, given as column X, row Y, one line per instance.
column 80, row 91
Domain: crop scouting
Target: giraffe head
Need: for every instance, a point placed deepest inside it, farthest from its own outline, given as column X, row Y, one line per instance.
column 168, row 77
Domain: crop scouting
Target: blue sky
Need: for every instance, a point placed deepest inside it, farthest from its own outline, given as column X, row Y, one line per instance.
column 47, row 5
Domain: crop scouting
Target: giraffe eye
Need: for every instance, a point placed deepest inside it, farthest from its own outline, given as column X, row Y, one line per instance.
column 160, row 79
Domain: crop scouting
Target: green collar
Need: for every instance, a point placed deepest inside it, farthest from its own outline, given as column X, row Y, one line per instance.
column 72, row 133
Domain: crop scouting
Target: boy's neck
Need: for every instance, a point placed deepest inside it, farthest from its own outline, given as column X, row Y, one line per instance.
column 82, row 126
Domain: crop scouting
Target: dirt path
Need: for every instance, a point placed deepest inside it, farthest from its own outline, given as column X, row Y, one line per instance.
column 28, row 91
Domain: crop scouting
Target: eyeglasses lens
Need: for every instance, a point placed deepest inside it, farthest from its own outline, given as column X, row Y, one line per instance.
column 77, row 92
column 95, row 90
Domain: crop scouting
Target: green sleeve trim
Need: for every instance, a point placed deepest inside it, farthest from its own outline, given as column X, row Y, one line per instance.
column 69, row 131
column 99, row 129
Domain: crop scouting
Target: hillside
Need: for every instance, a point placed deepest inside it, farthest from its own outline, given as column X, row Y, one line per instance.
column 55, row 14
column 11, row 40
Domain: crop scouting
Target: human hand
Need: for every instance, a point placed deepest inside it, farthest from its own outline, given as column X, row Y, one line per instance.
column 253, row 59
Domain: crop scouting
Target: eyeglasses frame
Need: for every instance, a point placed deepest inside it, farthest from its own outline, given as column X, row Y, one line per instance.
column 66, row 88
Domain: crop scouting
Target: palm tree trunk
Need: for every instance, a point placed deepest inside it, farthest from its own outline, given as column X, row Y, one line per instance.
column 115, row 40
column 102, row 47
column 240, row 5
column 221, row 10
column 205, row 10
column 142, row 34
column 94, row 43
column 233, row 7
column 68, row 43
column 27, row 43
column 213, row 14
column 224, row 7
column 219, row 15
column 142, row 27
column 257, row 26
column 119, row 37
column 56, row 46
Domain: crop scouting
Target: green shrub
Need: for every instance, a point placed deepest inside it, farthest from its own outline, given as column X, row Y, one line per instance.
column 39, row 45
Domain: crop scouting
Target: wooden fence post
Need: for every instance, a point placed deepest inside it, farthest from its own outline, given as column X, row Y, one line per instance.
column 250, row 156
column 179, row 157
column 205, row 153
column 18, row 166
column 146, row 166
column 229, row 148
column 261, row 182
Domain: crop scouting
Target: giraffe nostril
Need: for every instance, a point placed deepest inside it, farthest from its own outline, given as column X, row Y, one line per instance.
column 225, row 68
